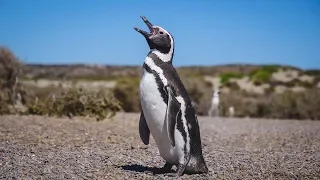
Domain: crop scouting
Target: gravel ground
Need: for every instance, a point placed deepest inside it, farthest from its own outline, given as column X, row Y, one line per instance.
column 35, row 147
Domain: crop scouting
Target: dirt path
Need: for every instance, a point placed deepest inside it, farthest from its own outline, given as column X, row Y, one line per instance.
column 33, row 147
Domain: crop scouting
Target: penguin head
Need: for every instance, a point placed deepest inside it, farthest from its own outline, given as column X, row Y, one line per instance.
column 216, row 93
column 158, row 38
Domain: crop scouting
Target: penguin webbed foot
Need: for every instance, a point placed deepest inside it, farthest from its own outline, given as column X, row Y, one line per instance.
column 165, row 169
column 167, row 166
column 180, row 169
column 179, row 172
column 172, row 175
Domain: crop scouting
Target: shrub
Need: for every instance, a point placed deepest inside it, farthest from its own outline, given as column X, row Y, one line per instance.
column 232, row 86
column 263, row 74
column 287, row 105
column 127, row 92
column 261, row 77
column 305, row 84
column 270, row 68
column 313, row 72
column 76, row 102
column 9, row 73
column 244, row 105
column 200, row 92
column 225, row 77
column 17, row 98
column 296, row 105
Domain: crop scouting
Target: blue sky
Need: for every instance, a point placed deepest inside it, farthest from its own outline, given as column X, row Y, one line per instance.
column 206, row 32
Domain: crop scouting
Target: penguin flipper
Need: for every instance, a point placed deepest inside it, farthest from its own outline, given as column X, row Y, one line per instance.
column 173, row 109
column 144, row 131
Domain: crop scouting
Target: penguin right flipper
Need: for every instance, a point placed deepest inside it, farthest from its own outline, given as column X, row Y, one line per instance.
column 144, row 130
column 173, row 109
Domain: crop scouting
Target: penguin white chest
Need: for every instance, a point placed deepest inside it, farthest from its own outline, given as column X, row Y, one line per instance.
column 153, row 106
column 154, row 110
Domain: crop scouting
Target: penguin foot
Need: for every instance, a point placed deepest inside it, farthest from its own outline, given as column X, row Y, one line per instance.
column 180, row 169
column 166, row 168
column 172, row 174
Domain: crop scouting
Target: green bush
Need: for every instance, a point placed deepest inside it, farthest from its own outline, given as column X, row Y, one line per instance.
column 263, row 74
column 270, row 68
column 261, row 77
column 313, row 72
column 225, row 77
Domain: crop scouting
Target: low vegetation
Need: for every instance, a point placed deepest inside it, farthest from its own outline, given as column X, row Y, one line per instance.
column 226, row 77
column 9, row 73
column 75, row 102
column 286, row 105
column 127, row 92
column 22, row 98
column 16, row 98
column 200, row 92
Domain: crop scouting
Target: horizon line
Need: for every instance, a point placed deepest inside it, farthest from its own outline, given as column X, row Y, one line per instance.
column 176, row 66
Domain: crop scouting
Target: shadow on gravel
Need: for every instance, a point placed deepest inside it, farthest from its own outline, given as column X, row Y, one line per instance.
column 145, row 169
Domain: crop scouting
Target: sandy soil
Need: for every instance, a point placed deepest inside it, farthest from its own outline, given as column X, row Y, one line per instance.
column 34, row 147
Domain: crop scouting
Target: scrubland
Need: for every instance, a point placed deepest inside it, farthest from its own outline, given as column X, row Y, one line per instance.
column 80, row 121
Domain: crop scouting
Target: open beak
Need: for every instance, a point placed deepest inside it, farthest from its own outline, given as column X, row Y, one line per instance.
column 144, row 33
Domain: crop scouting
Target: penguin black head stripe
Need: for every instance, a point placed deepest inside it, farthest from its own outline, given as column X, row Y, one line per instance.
column 158, row 39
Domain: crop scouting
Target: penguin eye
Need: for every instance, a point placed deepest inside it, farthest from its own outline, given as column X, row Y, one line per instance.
column 161, row 32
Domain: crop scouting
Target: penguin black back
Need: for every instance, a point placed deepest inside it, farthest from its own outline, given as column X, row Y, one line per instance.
column 198, row 163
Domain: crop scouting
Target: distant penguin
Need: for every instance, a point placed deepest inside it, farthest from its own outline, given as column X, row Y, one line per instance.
column 215, row 103
column 231, row 111
column 167, row 111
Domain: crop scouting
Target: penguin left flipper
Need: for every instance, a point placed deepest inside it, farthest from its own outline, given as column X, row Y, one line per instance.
column 144, row 130
column 173, row 109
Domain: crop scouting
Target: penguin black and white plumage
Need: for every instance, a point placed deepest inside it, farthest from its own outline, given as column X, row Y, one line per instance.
column 167, row 111
column 215, row 103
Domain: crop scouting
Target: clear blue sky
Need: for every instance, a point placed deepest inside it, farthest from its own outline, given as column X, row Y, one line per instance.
column 207, row 32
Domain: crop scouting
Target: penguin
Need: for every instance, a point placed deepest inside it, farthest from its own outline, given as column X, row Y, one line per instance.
column 215, row 103
column 167, row 110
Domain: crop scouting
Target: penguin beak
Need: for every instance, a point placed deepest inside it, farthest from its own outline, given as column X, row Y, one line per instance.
column 144, row 33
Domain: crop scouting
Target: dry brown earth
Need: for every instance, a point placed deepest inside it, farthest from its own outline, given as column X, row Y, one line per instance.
column 35, row 147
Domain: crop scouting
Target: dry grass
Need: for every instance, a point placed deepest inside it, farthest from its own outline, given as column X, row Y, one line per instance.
column 76, row 102
column 287, row 105
column 9, row 73
column 251, row 90
column 127, row 92
column 18, row 98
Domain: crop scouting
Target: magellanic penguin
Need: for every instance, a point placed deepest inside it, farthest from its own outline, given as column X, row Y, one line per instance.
column 215, row 103
column 167, row 111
